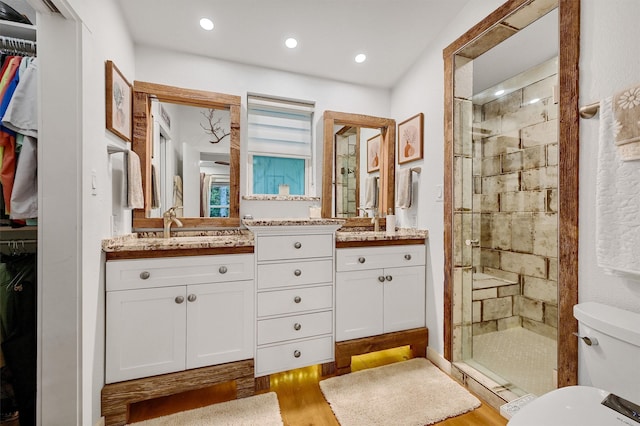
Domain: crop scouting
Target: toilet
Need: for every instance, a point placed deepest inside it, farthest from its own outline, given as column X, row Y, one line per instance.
column 610, row 351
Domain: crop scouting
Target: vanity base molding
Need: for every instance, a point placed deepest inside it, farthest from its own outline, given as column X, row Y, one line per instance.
column 416, row 338
column 117, row 397
column 264, row 382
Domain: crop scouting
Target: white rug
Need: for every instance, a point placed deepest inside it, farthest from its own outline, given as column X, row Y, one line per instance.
column 413, row 392
column 262, row 410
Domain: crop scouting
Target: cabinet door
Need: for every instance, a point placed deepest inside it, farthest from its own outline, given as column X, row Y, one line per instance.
column 145, row 332
column 220, row 323
column 358, row 304
column 404, row 298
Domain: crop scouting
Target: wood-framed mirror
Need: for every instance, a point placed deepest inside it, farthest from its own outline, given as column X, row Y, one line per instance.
column 561, row 267
column 146, row 97
column 380, row 133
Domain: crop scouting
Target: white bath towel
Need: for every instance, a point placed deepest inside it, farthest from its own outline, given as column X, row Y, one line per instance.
column 371, row 192
column 626, row 115
column 617, row 203
column 404, row 188
column 134, row 182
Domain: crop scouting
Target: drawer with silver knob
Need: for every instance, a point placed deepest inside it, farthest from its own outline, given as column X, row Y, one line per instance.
column 133, row 274
column 284, row 247
column 290, row 301
column 286, row 274
column 361, row 258
column 294, row 327
column 296, row 354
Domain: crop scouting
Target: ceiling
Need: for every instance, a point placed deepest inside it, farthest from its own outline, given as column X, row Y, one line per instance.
column 392, row 33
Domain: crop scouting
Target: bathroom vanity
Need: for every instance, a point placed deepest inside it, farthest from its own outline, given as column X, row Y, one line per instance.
column 188, row 312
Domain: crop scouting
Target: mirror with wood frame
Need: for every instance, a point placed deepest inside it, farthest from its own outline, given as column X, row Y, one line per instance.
column 216, row 107
column 363, row 167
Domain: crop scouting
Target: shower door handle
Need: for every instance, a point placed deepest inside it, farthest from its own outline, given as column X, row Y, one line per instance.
column 473, row 243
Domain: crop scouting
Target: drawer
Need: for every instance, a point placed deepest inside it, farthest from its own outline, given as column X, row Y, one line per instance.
column 287, row 274
column 362, row 258
column 292, row 355
column 171, row 271
column 295, row 300
column 294, row 327
column 281, row 247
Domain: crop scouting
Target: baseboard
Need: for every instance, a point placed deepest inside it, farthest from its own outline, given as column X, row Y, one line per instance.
column 438, row 360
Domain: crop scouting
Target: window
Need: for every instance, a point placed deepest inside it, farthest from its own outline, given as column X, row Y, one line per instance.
column 219, row 202
column 280, row 145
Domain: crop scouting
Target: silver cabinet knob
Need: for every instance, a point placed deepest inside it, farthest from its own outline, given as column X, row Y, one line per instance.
column 362, row 259
column 388, row 278
column 297, row 326
column 407, row 256
column 297, row 245
column 145, row 275
column 297, row 299
column 297, row 272
column 222, row 269
column 297, row 354
column 381, row 278
column 192, row 297
column 179, row 299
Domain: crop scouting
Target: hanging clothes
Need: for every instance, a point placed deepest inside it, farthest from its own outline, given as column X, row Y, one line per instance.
column 8, row 83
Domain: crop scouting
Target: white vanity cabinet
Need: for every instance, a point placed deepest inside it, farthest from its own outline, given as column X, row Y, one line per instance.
column 170, row 314
column 379, row 290
column 294, row 296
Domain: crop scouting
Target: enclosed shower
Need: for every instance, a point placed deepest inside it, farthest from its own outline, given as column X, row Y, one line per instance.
column 505, row 223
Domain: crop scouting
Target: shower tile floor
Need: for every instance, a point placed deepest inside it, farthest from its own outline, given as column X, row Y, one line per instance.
column 525, row 361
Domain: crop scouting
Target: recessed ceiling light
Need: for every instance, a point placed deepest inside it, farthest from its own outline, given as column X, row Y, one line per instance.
column 361, row 57
column 499, row 92
column 206, row 24
column 291, row 42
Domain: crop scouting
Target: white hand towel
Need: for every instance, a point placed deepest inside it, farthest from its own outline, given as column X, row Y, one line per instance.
column 617, row 203
column 134, row 182
column 404, row 188
column 371, row 192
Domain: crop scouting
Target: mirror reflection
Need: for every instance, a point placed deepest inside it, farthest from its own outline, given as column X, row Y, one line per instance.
column 191, row 158
column 358, row 170
column 188, row 142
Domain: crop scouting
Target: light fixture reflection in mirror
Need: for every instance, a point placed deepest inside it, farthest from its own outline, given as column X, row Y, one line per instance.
column 193, row 137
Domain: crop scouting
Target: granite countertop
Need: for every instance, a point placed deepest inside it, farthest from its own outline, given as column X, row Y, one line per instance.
column 150, row 241
column 367, row 235
column 292, row 222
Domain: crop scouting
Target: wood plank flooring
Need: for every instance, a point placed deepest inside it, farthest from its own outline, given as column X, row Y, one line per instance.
column 301, row 400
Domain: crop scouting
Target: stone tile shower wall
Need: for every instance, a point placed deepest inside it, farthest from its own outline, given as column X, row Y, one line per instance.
column 514, row 190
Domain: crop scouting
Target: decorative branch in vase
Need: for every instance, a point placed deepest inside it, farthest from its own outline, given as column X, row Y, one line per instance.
column 214, row 128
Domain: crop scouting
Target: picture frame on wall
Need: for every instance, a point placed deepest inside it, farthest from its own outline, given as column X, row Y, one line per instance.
column 410, row 139
column 119, row 94
column 373, row 153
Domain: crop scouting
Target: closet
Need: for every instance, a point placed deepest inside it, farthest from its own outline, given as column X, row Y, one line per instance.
column 18, row 222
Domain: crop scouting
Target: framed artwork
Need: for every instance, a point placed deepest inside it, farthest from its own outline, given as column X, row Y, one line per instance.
column 119, row 101
column 410, row 139
column 373, row 153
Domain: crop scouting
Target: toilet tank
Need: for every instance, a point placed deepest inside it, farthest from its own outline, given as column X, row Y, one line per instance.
column 613, row 363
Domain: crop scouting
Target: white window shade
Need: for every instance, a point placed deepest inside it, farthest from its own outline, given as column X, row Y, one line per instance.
column 279, row 127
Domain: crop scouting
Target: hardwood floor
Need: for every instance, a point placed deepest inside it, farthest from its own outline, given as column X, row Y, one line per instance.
column 301, row 400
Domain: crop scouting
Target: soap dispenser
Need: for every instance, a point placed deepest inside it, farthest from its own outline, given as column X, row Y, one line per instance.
column 390, row 223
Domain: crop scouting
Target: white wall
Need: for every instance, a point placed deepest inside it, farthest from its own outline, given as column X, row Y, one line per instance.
column 422, row 90
column 197, row 72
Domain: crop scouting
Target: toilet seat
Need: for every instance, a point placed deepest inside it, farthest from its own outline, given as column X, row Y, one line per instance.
column 571, row 405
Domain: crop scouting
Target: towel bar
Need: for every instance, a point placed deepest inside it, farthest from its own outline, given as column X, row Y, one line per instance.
column 416, row 169
column 589, row 111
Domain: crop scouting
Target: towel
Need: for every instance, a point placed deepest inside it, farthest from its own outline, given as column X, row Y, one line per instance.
column 404, row 188
column 626, row 112
column 155, row 189
column 617, row 203
column 371, row 192
column 134, row 182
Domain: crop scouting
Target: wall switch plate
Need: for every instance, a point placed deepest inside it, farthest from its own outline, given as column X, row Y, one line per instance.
column 439, row 193
column 94, row 183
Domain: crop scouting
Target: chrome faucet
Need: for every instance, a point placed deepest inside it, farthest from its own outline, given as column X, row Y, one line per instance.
column 170, row 217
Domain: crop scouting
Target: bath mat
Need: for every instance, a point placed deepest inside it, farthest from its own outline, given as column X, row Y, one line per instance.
column 255, row 410
column 407, row 393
